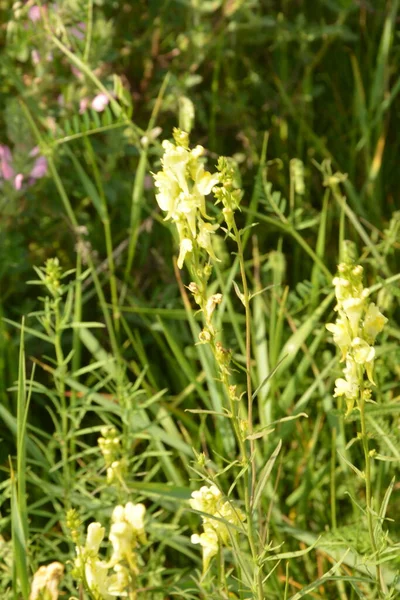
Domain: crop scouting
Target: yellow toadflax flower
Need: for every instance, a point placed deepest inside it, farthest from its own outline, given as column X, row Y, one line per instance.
column 209, row 500
column 359, row 322
column 183, row 185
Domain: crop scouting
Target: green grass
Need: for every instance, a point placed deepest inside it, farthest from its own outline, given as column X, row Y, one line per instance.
column 268, row 82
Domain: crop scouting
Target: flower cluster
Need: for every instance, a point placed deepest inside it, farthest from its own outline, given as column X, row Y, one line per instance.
column 358, row 323
column 126, row 531
column 9, row 171
column 182, row 187
column 221, row 513
column 110, row 446
column 45, row 582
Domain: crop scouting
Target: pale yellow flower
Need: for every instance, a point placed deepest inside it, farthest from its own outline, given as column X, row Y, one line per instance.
column 94, row 537
column 96, row 575
column 341, row 334
column 118, row 583
column 353, row 308
column 206, row 499
column 45, row 582
column 185, row 247
column 204, row 237
column 208, row 540
column 134, row 515
column 362, row 352
column 374, row 322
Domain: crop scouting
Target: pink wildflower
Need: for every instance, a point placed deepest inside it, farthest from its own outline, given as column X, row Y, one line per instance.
column 35, row 57
column 34, row 13
column 99, row 102
column 5, row 162
column 83, row 104
column 78, row 31
column 18, row 181
column 39, row 169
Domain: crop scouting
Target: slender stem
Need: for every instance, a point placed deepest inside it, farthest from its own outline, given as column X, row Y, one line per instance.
column 249, row 496
column 333, row 480
column 368, row 490
column 60, row 383
column 248, row 490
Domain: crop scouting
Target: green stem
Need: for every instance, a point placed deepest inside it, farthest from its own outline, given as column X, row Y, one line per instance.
column 60, row 384
column 249, row 496
column 368, row 489
column 333, row 480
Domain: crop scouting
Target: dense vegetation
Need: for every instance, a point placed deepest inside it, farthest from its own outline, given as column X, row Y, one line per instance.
column 99, row 336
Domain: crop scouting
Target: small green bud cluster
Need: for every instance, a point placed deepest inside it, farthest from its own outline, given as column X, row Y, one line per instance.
column 209, row 500
column 52, row 277
column 126, row 531
column 354, row 332
column 110, row 446
column 297, row 175
column 229, row 194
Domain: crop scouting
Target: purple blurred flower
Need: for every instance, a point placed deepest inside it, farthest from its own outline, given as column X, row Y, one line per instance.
column 76, row 72
column 78, row 31
column 5, row 162
column 18, row 181
column 99, row 102
column 39, row 169
column 34, row 13
column 35, row 57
